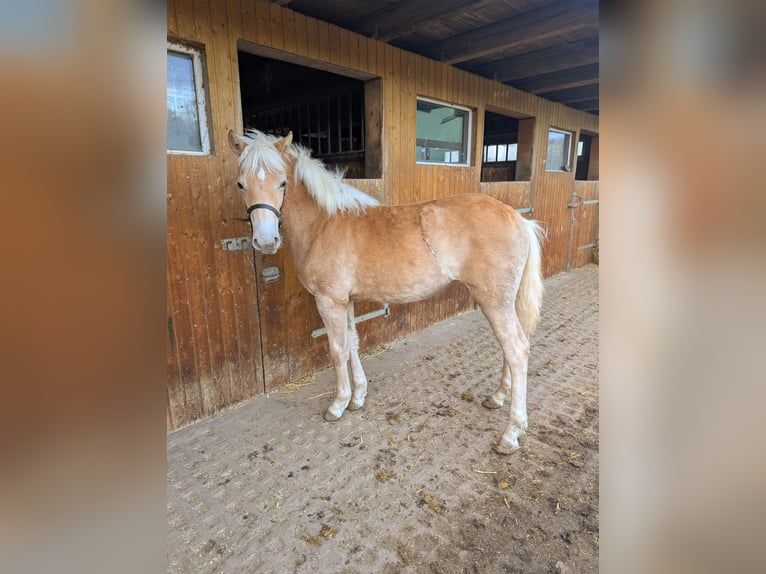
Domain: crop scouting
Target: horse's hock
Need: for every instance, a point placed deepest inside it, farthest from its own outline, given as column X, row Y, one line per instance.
column 408, row 483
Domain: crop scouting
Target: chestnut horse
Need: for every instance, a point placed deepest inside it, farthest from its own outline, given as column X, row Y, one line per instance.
column 346, row 247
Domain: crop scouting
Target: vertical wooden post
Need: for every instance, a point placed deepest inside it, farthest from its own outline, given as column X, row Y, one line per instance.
column 524, row 151
column 373, row 115
column 593, row 160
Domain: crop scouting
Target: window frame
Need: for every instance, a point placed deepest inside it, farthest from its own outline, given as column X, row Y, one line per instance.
column 197, row 54
column 508, row 147
column 567, row 167
column 468, row 132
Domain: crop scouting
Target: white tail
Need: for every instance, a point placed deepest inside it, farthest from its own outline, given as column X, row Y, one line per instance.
column 530, row 297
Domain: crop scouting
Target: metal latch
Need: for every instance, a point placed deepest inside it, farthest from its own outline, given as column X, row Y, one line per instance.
column 235, row 244
column 270, row 274
column 573, row 205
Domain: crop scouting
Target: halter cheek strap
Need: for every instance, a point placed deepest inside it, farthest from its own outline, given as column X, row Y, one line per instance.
column 271, row 208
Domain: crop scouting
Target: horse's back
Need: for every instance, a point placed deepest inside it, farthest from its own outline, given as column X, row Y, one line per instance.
column 409, row 252
column 474, row 234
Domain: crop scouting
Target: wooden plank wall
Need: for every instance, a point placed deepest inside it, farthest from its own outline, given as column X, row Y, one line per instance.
column 517, row 194
column 585, row 230
column 215, row 332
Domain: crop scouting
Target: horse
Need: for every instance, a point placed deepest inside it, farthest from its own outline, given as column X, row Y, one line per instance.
column 347, row 247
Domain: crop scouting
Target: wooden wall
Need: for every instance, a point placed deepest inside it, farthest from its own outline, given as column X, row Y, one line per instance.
column 585, row 229
column 229, row 335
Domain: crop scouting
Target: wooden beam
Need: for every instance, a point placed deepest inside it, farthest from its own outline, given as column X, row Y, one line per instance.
column 571, row 95
column 572, row 78
column 533, row 27
column 552, row 59
column 586, row 105
column 373, row 116
column 403, row 18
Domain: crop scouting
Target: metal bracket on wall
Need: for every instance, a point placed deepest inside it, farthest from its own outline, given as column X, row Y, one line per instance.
column 235, row 244
column 384, row 312
column 270, row 274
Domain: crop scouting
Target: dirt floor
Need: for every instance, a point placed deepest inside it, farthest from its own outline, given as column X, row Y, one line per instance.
column 410, row 482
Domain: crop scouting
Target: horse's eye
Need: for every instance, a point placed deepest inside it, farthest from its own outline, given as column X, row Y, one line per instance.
column 239, row 185
column 283, row 184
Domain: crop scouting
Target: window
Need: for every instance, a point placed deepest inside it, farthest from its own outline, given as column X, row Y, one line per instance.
column 586, row 166
column 187, row 124
column 506, row 147
column 502, row 152
column 559, row 150
column 443, row 133
column 334, row 114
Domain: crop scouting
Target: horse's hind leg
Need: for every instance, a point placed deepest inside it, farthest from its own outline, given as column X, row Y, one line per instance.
column 334, row 317
column 358, row 378
column 497, row 399
column 507, row 328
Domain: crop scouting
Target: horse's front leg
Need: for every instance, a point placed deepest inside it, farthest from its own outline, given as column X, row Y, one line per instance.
column 334, row 317
column 358, row 378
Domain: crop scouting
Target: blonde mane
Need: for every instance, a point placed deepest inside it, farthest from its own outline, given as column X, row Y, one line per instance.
column 260, row 152
column 326, row 187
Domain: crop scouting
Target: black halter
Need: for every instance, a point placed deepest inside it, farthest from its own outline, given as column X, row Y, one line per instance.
column 271, row 208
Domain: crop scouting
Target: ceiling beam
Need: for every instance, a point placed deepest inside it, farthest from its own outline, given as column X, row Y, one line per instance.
column 546, row 23
column 572, row 78
column 554, row 59
column 585, row 105
column 403, row 18
column 571, row 95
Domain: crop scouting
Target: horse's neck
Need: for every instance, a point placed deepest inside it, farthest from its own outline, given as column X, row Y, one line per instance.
column 301, row 217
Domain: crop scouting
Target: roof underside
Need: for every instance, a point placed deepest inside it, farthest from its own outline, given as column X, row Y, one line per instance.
column 548, row 48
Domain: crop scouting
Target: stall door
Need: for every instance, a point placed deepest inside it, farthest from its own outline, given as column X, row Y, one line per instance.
column 583, row 232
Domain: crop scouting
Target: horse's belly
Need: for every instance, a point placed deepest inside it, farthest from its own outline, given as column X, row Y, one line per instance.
column 400, row 286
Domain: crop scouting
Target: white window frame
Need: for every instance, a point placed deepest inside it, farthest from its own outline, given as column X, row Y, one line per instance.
column 469, row 132
column 568, row 160
column 509, row 147
column 199, row 88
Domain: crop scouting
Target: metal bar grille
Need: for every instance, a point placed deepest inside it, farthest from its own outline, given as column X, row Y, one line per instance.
column 331, row 122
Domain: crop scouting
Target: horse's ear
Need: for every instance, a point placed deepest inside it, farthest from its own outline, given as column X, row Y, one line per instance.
column 284, row 144
column 236, row 143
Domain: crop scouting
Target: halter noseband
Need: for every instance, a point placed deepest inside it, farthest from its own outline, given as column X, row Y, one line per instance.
column 271, row 208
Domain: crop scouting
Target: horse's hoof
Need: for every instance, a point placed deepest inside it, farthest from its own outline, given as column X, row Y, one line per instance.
column 354, row 406
column 504, row 448
column 490, row 403
column 330, row 417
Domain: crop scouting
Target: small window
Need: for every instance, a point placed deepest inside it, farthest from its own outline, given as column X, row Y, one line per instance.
column 559, row 150
column 501, row 152
column 443, row 133
column 187, row 124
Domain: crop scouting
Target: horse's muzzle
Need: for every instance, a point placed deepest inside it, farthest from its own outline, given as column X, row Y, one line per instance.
column 268, row 248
